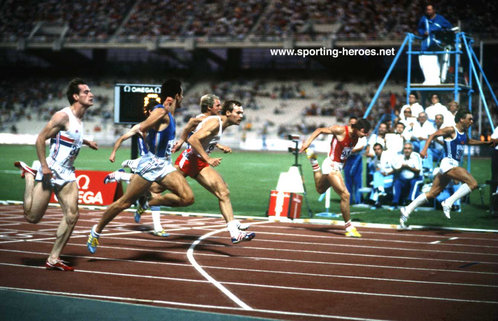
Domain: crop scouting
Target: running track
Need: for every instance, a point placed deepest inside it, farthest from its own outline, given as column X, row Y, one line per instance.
column 289, row 271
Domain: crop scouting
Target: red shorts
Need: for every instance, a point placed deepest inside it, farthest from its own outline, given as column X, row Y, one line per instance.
column 190, row 166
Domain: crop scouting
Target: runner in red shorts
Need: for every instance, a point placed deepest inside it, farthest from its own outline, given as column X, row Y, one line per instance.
column 197, row 163
column 342, row 145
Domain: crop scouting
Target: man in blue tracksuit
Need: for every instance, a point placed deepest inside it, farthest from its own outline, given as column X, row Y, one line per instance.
column 428, row 26
column 353, row 172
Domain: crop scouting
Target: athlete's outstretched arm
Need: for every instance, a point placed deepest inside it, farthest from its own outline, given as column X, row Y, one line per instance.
column 189, row 127
column 134, row 130
column 319, row 131
column 156, row 116
column 492, row 142
column 208, row 129
column 445, row 132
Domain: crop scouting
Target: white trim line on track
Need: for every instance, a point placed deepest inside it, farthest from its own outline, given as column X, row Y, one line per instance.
column 215, row 307
column 213, row 267
column 190, row 256
column 290, row 288
column 287, row 220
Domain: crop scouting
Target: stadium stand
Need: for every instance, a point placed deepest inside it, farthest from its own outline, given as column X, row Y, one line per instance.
column 103, row 21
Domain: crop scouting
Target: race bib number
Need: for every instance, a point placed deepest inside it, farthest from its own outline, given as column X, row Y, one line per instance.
column 210, row 148
column 459, row 151
column 345, row 153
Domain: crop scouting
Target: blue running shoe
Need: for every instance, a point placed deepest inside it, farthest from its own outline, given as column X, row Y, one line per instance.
column 243, row 236
column 93, row 241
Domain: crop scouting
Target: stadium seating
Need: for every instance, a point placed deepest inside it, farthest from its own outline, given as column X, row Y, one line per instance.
column 98, row 21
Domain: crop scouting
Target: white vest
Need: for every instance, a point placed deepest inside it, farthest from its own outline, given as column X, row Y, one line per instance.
column 66, row 145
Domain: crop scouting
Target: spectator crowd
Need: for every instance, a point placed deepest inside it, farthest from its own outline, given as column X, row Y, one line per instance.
column 104, row 20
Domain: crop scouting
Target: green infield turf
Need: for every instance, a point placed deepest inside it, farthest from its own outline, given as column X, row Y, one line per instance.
column 251, row 176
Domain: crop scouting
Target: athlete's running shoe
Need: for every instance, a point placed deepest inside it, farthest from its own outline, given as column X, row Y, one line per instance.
column 403, row 218
column 142, row 206
column 59, row 266
column 112, row 177
column 243, row 236
column 93, row 241
column 352, row 232
column 310, row 153
column 24, row 168
column 243, row 226
column 446, row 209
column 162, row 233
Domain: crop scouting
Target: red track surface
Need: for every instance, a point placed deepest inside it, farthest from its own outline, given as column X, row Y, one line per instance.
column 289, row 271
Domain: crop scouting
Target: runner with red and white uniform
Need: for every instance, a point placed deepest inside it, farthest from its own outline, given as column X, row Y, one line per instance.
column 197, row 163
column 342, row 145
column 190, row 161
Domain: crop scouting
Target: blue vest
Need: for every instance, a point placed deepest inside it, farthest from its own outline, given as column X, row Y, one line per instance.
column 161, row 142
column 454, row 148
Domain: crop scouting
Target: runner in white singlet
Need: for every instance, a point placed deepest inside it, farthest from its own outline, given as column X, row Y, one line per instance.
column 56, row 172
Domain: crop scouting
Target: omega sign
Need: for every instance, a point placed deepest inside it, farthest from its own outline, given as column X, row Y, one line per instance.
column 86, row 196
column 141, row 89
column 92, row 190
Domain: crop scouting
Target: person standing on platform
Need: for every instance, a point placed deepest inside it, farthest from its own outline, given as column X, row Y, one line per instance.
column 428, row 26
column 353, row 171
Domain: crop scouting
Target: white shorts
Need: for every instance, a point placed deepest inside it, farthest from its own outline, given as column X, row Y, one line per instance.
column 153, row 168
column 329, row 166
column 61, row 174
column 447, row 164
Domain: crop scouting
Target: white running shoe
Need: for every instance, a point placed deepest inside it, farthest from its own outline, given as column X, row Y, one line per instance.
column 403, row 218
column 242, row 226
column 242, row 236
column 446, row 209
column 114, row 176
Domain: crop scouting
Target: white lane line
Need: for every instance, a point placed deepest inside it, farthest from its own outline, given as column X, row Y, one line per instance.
column 84, row 233
column 183, row 304
column 190, row 255
column 445, row 240
column 323, row 252
column 360, row 240
column 291, row 273
column 310, row 221
column 259, row 258
column 372, row 231
column 281, row 287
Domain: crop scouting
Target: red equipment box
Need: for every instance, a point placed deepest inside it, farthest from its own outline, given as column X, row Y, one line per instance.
column 285, row 205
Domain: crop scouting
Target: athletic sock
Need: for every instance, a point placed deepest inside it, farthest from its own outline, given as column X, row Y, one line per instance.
column 348, row 226
column 314, row 164
column 232, row 227
column 123, row 177
column 460, row 192
column 156, row 218
column 421, row 199
column 95, row 232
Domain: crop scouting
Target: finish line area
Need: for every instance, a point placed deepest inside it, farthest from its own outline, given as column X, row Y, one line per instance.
column 290, row 271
